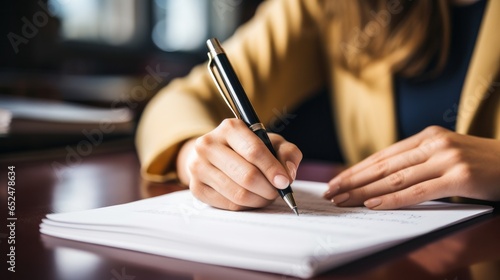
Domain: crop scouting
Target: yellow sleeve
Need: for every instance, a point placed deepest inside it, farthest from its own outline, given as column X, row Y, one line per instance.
column 278, row 58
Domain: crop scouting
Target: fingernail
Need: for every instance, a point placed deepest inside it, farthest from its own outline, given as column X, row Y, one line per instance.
column 340, row 198
column 292, row 169
column 373, row 202
column 281, row 182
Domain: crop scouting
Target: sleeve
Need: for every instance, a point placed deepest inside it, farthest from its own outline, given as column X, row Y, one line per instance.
column 277, row 57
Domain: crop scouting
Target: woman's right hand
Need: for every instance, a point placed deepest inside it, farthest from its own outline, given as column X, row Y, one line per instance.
column 231, row 168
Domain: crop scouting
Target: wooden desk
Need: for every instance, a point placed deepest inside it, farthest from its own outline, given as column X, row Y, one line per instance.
column 466, row 251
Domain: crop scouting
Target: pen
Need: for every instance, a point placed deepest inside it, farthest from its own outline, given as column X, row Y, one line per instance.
column 233, row 93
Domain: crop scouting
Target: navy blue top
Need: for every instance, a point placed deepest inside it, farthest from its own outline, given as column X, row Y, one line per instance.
column 421, row 103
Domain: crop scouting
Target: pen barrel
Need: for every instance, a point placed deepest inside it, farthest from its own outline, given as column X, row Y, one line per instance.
column 235, row 90
column 242, row 105
column 262, row 134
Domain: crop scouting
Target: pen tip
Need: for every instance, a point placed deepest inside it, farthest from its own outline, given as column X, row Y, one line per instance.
column 295, row 211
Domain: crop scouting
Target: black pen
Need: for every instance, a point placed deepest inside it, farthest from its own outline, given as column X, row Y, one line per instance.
column 233, row 93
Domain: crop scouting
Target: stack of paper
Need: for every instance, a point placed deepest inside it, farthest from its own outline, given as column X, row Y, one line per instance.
column 5, row 119
column 31, row 115
column 272, row 239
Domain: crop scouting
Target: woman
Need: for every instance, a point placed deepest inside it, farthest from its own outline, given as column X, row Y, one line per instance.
column 425, row 73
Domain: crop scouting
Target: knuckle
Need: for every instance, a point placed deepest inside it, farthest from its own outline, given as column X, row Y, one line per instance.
column 230, row 123
column 396, row 200
column 240, row 196
column 418, row 155
column 226, row 122
column 381, row 169
column 203, row 142
column 444, row 142
column 455, row 156
column 248, row 177
column 396, row 180
column 434, row 130
column 253, row 152
column 419, row 192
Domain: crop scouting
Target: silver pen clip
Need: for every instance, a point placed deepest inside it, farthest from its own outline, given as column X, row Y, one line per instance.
column 214, row 73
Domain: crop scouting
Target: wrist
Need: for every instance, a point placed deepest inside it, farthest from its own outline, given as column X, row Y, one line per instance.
column 182, row 160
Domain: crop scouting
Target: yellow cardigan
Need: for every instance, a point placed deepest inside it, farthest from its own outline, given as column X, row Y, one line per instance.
column 283, row 55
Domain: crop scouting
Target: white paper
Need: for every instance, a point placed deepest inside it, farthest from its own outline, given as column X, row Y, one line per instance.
column 272, row 239
column 53, row 111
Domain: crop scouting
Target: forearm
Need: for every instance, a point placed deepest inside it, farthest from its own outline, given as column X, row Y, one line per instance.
column 171, row 118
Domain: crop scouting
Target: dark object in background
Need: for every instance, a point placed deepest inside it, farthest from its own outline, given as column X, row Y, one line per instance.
column 101, row 53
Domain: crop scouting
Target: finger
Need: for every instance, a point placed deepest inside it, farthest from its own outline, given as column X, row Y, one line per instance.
column 232, row 171
column 394, row 182
column 288, row 153
column 208, row 195
column 252, row 149
column 397, row 148
column 424, row 140
column 227, row 189
column 378, row 171
column 242, row 173
column 428, row 190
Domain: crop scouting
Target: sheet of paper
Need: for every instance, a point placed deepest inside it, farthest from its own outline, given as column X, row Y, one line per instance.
column 272, row 239
column 53, row 111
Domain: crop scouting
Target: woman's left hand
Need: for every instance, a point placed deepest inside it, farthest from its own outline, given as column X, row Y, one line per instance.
column 432, row 164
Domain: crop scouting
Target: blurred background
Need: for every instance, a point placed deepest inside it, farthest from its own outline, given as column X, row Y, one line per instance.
column 84, row 69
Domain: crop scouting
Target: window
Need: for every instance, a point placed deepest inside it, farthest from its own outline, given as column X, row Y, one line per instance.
column 185, row 25
column 172, row 25
column 113, row 22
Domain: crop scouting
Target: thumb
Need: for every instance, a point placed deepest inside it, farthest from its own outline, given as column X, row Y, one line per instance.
column 288, row 154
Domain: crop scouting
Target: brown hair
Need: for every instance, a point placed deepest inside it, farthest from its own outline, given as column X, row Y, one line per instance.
column 411, row 33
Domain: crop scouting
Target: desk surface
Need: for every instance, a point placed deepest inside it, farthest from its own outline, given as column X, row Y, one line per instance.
column 470, row 250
